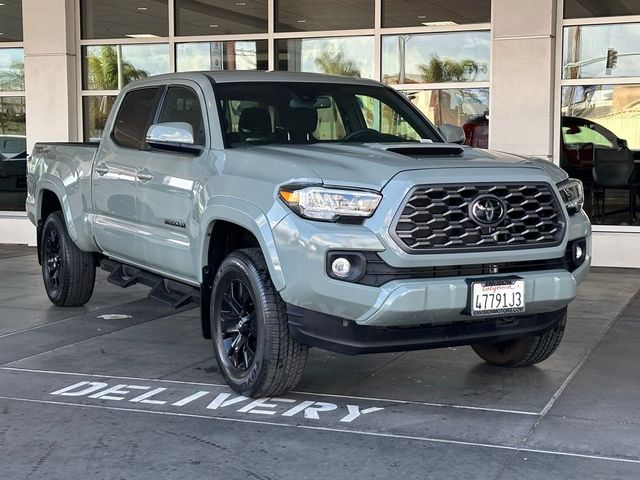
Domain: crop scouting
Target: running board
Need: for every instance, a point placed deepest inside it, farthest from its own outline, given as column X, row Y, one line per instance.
column 170, row 292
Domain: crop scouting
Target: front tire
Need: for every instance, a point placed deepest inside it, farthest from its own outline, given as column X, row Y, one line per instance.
column 69, row 274
column 524, row 351
column 255, row 350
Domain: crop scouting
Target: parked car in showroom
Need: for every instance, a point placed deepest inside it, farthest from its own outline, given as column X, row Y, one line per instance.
column 309, row 210
column 13, row 172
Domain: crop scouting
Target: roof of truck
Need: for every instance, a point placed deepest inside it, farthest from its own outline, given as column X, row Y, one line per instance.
column 262, row 76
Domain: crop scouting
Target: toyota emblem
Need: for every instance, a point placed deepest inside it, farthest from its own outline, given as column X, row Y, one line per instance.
column 487, row 210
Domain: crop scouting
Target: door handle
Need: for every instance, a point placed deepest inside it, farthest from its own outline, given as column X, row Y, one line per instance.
column 102, row 169
column 145, row 176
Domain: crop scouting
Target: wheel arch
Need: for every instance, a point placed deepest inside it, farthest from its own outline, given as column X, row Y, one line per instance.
column 224, row 230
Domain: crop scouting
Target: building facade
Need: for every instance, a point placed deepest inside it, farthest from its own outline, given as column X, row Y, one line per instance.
column 558, row 79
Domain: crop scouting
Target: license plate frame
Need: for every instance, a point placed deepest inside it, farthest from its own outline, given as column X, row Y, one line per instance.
column 484, row 293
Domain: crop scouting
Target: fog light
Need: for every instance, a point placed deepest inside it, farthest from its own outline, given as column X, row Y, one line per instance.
column 579, row 252
column 341, row 267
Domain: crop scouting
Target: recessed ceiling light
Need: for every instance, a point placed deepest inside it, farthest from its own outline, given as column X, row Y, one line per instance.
column 438, row 24
column 214, row 25
column 422, row 16
column 142, row 35
column 301, row 21
column 2, row 4
column 241, row 4
column 142, row 9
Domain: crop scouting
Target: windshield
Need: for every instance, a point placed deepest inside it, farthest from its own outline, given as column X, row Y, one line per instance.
column 305, row 113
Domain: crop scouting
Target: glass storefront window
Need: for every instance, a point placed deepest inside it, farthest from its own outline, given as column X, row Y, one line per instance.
column 436, row 57
column 314, row 15
column 110, row 67
column 600, row 8
column 213, row 17
column 11, row 70
column 467, row 108
column 417, row 13
column 348, row 56
column 13, row 146
column 11, row 21
column 240, row 55
column 124, row 18
column 95, row 112
column 600, row 144
column 597, row 51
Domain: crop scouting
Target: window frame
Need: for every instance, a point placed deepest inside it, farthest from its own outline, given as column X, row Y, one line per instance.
column 203, row 114
column 159, row 95
column 560, row 83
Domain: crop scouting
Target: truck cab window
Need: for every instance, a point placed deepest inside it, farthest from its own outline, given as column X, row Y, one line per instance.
column 134, row 118
column 181, row 104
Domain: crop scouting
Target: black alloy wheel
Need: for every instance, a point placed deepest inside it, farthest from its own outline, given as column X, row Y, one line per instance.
column 68, row 273
column 239, row 330
column 52, row 260
column 257, row 354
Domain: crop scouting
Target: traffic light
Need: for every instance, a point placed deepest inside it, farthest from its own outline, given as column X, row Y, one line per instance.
column 612, row 58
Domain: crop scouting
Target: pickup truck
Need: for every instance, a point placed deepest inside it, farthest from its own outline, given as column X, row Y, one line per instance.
column 307, row 210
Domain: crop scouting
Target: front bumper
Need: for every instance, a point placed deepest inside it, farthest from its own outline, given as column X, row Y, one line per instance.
column 337, row 335
column 303, row 245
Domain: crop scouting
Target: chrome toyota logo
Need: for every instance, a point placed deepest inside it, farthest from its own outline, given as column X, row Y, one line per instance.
column 487, row 210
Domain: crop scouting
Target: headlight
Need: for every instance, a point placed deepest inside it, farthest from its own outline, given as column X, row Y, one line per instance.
column 572, row 194
column 330, row 204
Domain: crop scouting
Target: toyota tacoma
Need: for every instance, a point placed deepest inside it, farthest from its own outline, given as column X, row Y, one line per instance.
column 307, row 210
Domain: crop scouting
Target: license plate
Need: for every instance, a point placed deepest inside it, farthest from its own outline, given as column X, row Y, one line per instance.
column 497, row 297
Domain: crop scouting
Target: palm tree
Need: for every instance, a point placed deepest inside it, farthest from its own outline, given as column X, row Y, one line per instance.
column 448, row 70
column 107, row 71
column 12, row 79
column 334, row 62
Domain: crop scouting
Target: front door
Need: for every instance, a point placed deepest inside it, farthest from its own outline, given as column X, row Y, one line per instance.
column 167, row 184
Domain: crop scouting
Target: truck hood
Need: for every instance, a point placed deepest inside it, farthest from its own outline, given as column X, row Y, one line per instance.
column 373, row 165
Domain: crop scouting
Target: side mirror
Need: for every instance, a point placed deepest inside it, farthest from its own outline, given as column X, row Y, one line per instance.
column 622, row 143
column 175, row 136
column 452, row 133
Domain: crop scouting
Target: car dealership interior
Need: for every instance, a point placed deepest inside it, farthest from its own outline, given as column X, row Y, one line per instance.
column 117, row 388
column 553, row 79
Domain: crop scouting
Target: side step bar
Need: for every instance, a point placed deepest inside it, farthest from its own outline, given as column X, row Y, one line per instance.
column 171, row 292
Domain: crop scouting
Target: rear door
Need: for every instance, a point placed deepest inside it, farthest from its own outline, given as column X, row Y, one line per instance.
column 167, row 184
column 115, row 173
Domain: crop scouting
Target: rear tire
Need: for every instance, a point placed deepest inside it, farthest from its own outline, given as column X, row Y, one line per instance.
column 524, row 351
column 69, row 274
column 255, row 350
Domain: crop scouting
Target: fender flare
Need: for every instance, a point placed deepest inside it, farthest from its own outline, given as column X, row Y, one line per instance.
column 246, row 215
column 55, row 186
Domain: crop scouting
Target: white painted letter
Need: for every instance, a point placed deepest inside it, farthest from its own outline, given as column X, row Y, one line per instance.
column 262, row 402
column 190, row 398
column 297, row 409
column 312, row 412
column 67, row 391
column 221, row 401
column 106, row 394
column 143, row 398
column 354, row 412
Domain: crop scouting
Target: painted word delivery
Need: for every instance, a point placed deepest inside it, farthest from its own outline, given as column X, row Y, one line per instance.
column 146, row 395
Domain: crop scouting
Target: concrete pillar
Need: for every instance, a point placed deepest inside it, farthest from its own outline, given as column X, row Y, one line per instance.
column 523, row 76
column 50, row 46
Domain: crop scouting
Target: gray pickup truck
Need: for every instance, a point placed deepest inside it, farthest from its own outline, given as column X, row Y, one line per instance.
column 307, row 210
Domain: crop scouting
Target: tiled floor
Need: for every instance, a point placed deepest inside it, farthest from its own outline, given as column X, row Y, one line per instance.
column 433, row 414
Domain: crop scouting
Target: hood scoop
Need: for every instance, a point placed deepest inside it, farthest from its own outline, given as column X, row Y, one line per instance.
column 428, row 151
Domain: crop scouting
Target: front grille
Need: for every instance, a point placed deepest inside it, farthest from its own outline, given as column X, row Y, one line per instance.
column 436, row 218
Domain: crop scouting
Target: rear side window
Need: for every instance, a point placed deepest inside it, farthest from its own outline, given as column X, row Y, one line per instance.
column 181, row 104
column 135, row 116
